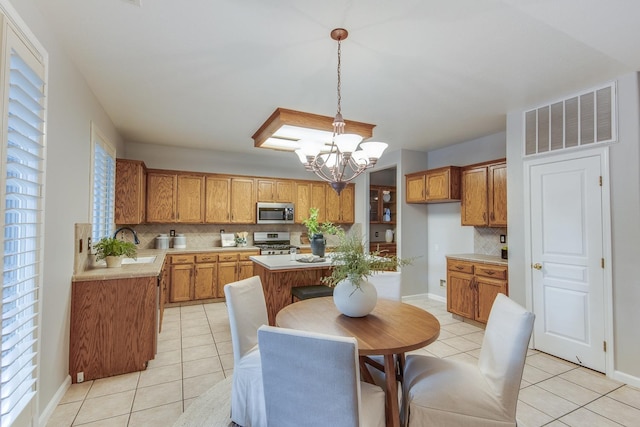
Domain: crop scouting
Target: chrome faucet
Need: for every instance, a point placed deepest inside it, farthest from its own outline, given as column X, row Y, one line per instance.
column 135, row 235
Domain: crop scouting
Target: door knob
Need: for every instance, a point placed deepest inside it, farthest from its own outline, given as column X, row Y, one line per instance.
column 537, row 266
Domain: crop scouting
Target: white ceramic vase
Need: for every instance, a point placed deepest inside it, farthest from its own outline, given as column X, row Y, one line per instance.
column 355, row 301
column 113, row 261
column 388, row 236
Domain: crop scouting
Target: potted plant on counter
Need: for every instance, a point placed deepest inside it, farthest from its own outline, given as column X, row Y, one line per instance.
column 112, row 250
column 351, row 264
column 317, row 230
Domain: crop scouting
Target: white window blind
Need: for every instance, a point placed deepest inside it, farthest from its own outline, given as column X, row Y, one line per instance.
column 23, row 165
column 104, row 180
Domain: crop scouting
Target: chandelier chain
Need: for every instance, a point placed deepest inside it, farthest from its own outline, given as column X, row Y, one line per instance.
column 339, row 79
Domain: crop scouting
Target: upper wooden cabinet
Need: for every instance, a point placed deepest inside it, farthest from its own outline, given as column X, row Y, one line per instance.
column 217, row 200
column 131, row 192
column 484, row 195
column 243, row 201
column 310, row 194
column 434, row 185
column 275, row 190
column 340, row 209
column 380, row 199
column 161, row 196
column 190, row 198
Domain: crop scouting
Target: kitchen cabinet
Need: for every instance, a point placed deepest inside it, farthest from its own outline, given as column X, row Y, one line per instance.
column 217, row 200
column 434, row 185
column 190, row 199
column 130, row 192
column 275, row 190
column 161, row 196
column 310, row 194
column 243, row 201
column 163, row 280
column 473, row 286
column 340, row 208
column 113, row 326
column 484, row 195
column 201, row 276
column 380, row 199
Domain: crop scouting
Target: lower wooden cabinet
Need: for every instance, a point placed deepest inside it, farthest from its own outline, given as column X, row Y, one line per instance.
column 203, row 275
column 473, row 286
column 113, row 326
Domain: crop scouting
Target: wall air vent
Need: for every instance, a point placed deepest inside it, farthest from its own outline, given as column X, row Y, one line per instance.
column 581, row 120
column 134, row 2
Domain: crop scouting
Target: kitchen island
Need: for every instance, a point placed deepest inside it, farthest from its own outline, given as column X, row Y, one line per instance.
column 279, row 273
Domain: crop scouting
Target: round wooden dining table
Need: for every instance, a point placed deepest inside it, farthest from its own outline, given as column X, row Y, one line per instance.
column 392, row 328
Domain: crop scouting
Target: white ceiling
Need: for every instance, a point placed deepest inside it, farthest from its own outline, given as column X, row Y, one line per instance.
column 428, row 73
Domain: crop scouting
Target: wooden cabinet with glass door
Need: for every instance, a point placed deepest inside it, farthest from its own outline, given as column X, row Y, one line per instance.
column 382, row 205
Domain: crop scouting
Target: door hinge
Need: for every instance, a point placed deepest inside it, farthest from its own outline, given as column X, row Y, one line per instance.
column 604, row 346
column 602, row 262
column 600, row 180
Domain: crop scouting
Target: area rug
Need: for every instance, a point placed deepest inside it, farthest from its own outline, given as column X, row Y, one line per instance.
column 211, row 409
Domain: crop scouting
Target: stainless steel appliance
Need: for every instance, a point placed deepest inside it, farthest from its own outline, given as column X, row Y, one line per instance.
column 274, row 213
column 272, row 242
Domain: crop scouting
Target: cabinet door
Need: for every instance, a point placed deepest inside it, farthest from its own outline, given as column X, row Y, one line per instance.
column 161, row 197
column 415, row 188
column 217, row 200
column 375, row 212
column 227, row 273
column 318, row 195
column 473, row 207
column 497, row 195
column 487, row 290
column 332, row 206
column 460, row 294
column 245, row 269
column 266, row 190
column 302, row 202
column 130, row 192
column 437, row 184
column 181, row 279
column 190, row 199
column 243, row 201
column 273, row 190
column 205, row 281
column 284, row 192
column 347, row 202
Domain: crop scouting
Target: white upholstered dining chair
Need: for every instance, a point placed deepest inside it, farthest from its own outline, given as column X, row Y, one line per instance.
column 247, row 312
column 313, row 380
column 444, row 392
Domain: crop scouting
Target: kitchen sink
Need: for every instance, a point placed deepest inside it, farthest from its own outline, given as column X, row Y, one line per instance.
column 139, row 260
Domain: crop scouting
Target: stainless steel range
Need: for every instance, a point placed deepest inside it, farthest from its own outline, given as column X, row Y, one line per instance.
column 272, row 242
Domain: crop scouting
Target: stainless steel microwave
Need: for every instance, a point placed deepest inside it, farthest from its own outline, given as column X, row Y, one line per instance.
column 275, row 213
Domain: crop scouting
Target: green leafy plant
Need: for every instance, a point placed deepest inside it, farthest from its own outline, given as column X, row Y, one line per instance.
column 350, row 260
column 315, row 227
column 109, row 246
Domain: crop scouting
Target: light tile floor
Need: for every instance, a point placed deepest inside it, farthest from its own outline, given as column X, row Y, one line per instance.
column 194, row 352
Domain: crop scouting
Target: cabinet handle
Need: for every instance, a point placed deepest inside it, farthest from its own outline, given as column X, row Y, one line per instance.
column 489, row 272
column 459, row 267
column 493, row 216
column 484, row 216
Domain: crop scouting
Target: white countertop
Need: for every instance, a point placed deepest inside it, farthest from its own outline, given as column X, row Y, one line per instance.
column 284, row 262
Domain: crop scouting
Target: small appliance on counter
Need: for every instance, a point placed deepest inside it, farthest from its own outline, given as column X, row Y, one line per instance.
column 227, row 239
column 180, row 241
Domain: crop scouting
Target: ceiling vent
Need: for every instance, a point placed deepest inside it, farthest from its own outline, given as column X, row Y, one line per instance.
column 581, row 120
column 134, row 2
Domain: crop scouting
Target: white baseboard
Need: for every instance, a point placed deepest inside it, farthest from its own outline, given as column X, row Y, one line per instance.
column 57, row 397
column 437, row 297
column 626, row 378
column 423, row 296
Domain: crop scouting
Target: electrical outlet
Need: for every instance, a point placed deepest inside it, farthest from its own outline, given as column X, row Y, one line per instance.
column 89, row 245
column 376, row 234
column 172, row 233
column 503, row 238
column 80, row 246
column 222, row 230
column 80, row 378
column 443, row 283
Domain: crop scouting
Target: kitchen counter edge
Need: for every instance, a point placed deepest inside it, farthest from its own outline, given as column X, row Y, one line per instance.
column 130, row 271
column 481, row 258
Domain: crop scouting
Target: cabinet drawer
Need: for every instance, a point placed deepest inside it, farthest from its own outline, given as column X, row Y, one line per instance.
column 206, row 258
column 493, row 271
column 228, row 257
column 460, row 266
column 182, row 259
column 244, row 256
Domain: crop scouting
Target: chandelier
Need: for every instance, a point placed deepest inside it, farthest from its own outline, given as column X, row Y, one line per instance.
column 347, row 157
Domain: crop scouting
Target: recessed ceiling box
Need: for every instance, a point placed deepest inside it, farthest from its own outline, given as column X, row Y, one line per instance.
column 228, row 239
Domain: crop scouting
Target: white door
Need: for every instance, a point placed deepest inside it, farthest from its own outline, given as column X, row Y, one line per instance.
column 566, row 227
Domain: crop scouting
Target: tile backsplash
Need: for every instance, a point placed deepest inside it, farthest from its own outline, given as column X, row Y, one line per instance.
column 486, row 240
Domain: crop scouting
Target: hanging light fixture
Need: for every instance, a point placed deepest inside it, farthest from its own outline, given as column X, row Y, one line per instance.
column 347, row 157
